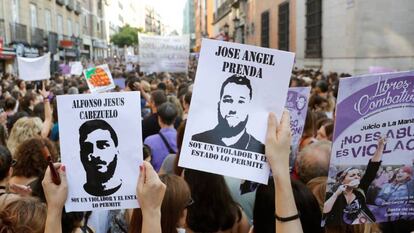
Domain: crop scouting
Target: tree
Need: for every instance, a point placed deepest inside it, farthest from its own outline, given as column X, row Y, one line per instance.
column 127, row 35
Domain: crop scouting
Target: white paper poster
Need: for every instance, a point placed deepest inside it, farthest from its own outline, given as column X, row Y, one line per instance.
column 31, row 69
column 76, row 68
column 236, row 87
column 99, row 78
column 101, row 152
column 163, row 53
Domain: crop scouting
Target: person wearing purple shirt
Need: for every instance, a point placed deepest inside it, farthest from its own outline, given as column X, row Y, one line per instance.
column 165, row 142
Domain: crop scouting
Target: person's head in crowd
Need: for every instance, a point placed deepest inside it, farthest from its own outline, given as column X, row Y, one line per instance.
column 146, row 151
column 24, row 128
column 10, row 105
column 39, row 111
column 264, row 208
column 177, row 200
column 158, row 97
column 296, row 82
column 3, row 136
column 6, row 162
column 28, row 102
column 317, row 186
column 30, row 161
column 318, row 103
column 73, row 90
column 162, row 86
column 16, row 94
column 187, row 101
column 313, row 161
column 212, row 211
column 132, row 84
column 23, row 215
column 21, row 84
column 325, row 132
column 167, row 113
column 309, row 130
column 146, row 86
column 72, row 221
column 174, row 100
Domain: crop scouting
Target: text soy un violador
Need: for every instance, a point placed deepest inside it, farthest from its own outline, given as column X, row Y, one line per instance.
column 250, row 56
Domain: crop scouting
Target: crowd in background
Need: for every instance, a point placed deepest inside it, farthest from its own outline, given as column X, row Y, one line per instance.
column 180, row 199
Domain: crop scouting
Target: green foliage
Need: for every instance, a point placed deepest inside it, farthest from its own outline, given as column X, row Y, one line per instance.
column 127, row 36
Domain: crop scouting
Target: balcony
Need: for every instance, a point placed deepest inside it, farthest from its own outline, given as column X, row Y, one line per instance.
column 71, row 5
column 78, row 8
column 60, row 2
column 18, row 33
column 37, row 36
column 223, row 10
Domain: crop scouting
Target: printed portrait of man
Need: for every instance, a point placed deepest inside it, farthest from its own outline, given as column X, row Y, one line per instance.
column 233, row 114
column 99, row 156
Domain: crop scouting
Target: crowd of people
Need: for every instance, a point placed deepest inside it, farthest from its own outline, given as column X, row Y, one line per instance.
column 173, row 199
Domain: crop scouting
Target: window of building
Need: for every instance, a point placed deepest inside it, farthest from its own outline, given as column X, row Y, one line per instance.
column 284, row 26
column 15, row 11
column 77, row 29
column 313, row 29
column 265, row 29
column 60, row 25
column 48, row 20
column 33, row 15
column 70, row 32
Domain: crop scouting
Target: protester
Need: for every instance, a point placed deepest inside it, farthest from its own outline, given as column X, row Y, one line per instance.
column 346, row 204
column 164, row 142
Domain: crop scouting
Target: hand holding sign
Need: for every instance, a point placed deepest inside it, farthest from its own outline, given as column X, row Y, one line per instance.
column 150, row 189
column 278, row 140
column 55, row 194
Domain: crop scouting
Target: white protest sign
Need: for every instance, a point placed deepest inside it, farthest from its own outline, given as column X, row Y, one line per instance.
column 100, row 151
column 99, row 78
column 297, row 104
column 131, row 58
column 163, row 53
column 236, row 87
column 76, row 68
column 370, row 107
column 31, row 69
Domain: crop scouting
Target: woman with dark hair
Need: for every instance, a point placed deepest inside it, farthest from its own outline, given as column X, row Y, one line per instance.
column 174, row 206
column 214, row 210
column 30, row 162
column 264, row 208
column 347, row 203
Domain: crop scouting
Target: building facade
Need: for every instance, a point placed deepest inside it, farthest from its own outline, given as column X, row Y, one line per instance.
column 350, row 36
column 189, row 22
column 153, row 22
column 30, row 28
column 95, row 44
column 204, row 16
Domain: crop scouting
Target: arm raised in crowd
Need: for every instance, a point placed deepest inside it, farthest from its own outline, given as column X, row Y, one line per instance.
column 278, row 140
column 47, row 124
column 55, row 198
column 150, row 193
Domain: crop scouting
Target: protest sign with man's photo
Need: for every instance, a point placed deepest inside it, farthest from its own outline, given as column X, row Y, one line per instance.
column 100, row 151
column 371, row 172
column 236, row 86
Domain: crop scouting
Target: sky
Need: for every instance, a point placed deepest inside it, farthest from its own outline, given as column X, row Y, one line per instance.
column 171, row 12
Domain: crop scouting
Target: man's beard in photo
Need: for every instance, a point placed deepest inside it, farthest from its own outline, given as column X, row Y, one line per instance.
column 227, row 131
column 100, row 177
